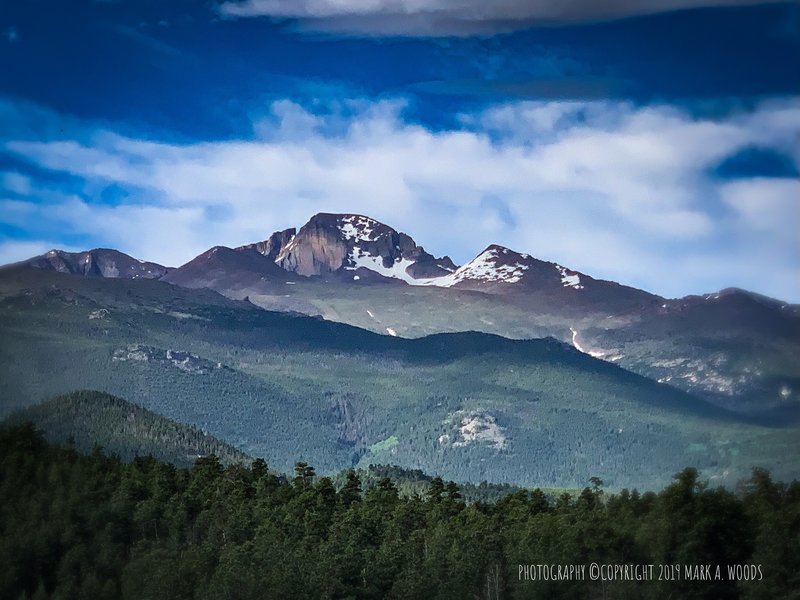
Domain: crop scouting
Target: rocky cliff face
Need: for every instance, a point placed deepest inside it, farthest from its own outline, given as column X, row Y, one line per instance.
column 318, row 248
column 272, row 246
column 331, row 243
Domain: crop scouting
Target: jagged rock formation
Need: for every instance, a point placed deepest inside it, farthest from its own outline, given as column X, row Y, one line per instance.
column 333, row 242
column 271, row 247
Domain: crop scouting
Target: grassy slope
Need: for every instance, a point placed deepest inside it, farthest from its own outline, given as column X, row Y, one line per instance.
column 87, row 418
column 291, row 388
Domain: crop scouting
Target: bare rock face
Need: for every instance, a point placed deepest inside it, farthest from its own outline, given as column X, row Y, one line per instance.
column 320, row 247
column 329, row 243
column 273, row 245
column 100, row 262
column 427, row 266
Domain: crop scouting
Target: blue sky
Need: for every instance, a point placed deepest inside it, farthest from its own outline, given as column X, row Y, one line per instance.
column 659, row 149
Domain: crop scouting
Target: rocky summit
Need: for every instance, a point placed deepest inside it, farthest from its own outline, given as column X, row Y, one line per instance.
column 331, row 243
column 100, row 262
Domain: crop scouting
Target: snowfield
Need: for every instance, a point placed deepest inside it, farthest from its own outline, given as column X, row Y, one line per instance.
column 569, row 278
column 484, row 267
column 358, row 228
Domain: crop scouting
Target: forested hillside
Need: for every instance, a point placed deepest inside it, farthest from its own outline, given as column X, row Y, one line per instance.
column 86, row 418
column 90, row 421
column 78, row 526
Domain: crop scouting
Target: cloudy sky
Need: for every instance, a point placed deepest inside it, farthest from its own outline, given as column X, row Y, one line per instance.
column 656, row 144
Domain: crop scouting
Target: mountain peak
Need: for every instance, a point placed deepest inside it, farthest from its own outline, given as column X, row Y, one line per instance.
column 734, row 294
column 496, row 264
column 504, row 253
column 337, row 243
column 99, row 262
column 499, row 266
column 350, row 244
column 352, row 226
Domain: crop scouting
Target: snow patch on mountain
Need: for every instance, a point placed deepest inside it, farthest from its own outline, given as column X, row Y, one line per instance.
column 358, row 228
column 569, row 278
column 488, row 267
column 359, row 259
column 284, row 252
column 579, row 348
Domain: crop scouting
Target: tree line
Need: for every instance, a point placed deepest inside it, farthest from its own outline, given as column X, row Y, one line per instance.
column 92, row 526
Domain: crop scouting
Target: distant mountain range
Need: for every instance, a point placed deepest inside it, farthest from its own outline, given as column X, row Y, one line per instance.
column 468, row 406
column 734, row 348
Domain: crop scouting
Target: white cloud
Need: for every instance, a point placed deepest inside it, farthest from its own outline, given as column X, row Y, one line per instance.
column 451, row 17
column 607, row 188
column 166, row 235
column 16, row 183
column 767, row 214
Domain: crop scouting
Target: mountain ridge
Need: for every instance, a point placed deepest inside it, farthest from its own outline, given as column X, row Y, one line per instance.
column 733, row 347
column 97, row 262
column 281, row 248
